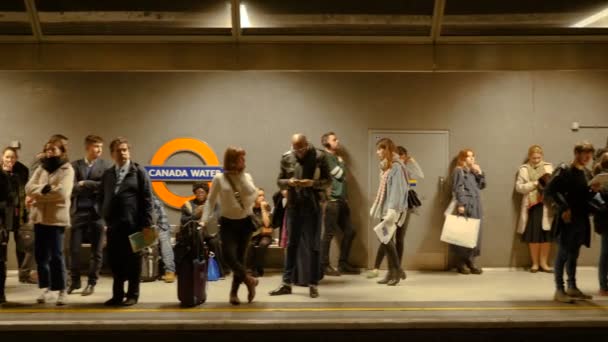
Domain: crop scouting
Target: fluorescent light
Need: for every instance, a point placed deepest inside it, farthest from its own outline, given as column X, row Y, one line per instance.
column 244, row 16
column 592, row 19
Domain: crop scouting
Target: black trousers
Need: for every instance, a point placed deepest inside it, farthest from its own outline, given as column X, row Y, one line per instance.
column 399, row 244
column 125, row 265
column 337, row 217
column 257, row 251
column 83, row 222
column 304, row 229
column 235, row 235
column 3, row 255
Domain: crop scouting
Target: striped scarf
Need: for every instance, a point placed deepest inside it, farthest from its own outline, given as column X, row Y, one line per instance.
column 376, row 210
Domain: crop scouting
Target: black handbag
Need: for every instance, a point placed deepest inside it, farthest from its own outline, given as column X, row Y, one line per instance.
column 413, row 201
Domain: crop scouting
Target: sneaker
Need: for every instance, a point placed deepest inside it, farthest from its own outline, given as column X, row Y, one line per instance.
column 62, row 298
column 372, row 274
column 562, row 297
column 575, row 293
column 45, row 297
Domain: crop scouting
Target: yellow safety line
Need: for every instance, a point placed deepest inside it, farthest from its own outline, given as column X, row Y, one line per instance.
column 355, row 309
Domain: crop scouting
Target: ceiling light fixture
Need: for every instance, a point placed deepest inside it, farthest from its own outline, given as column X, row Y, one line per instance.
column 244, row 16
column 592, row 19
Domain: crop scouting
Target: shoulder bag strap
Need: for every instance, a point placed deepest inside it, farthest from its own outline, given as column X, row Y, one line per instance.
column 237, row 195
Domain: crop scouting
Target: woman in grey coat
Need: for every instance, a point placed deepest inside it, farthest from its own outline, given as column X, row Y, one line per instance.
column 468, row 181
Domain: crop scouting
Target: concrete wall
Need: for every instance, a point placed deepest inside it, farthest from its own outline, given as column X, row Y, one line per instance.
column 499, row 114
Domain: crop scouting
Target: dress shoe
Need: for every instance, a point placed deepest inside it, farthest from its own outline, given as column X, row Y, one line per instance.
column 313, row 291
column 113, row 302
column 251, row 284
column 130, row 301
column 73, row 287
column 348, row 269
column 463, row 269
column 330, row 271
column 562, row 297
column 89, row 290
column 169, row 277
column 30, row 279
column 476, row 270
column 386, row 278
column 575, row 293
column 234, row 299
column 281, row 290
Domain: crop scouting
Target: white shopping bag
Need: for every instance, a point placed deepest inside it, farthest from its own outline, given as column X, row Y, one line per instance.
column 460, row 231
column 385, row 231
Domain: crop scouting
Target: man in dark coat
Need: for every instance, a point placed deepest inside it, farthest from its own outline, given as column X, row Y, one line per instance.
column 85, row 213
column 570, row 192
column 305, row 174
column 126, row 202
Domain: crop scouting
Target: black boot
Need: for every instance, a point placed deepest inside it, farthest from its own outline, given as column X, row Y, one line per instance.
column 387, row 278
column 395, row 278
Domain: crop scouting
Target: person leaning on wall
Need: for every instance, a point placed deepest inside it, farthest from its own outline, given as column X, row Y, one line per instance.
column 467, row 182
column 50, row 189
column 535, row 218
column 601, row 226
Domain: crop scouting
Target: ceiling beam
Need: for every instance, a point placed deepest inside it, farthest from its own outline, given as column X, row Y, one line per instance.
column 438, row 12
column 30, row 5
column 235, row 9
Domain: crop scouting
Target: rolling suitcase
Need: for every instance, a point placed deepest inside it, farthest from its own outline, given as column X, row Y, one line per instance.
column 149, row 264
column 192, row 262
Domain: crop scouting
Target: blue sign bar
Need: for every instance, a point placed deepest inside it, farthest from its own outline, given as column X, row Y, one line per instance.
column 182, row 173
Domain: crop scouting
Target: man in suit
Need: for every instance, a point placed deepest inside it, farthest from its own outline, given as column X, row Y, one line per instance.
column 126, row 204
column 85, row 215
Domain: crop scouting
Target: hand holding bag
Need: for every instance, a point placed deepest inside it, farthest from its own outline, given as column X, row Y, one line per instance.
column 460, row 231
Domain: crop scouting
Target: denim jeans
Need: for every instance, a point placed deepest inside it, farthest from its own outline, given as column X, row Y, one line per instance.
column 49, row 257
column 603, row 268
column 166, row 250
column 567, row 257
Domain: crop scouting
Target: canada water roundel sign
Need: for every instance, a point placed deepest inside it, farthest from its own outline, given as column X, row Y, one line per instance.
column 160, row 173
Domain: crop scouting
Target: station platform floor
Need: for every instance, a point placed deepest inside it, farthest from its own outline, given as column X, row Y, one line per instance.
column 500, row 300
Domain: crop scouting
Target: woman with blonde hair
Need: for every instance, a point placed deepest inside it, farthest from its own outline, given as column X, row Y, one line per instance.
column 535, row 219
column 390, row 204
column 467, row 182
column 235, row 191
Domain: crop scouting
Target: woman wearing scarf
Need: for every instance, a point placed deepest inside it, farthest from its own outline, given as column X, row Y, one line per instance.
column 390, row 204
column 50, row 188
column 467, row 182
column 535, row 219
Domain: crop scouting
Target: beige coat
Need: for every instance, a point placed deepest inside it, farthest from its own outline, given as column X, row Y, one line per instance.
column 523, row 185
column 52, row 208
